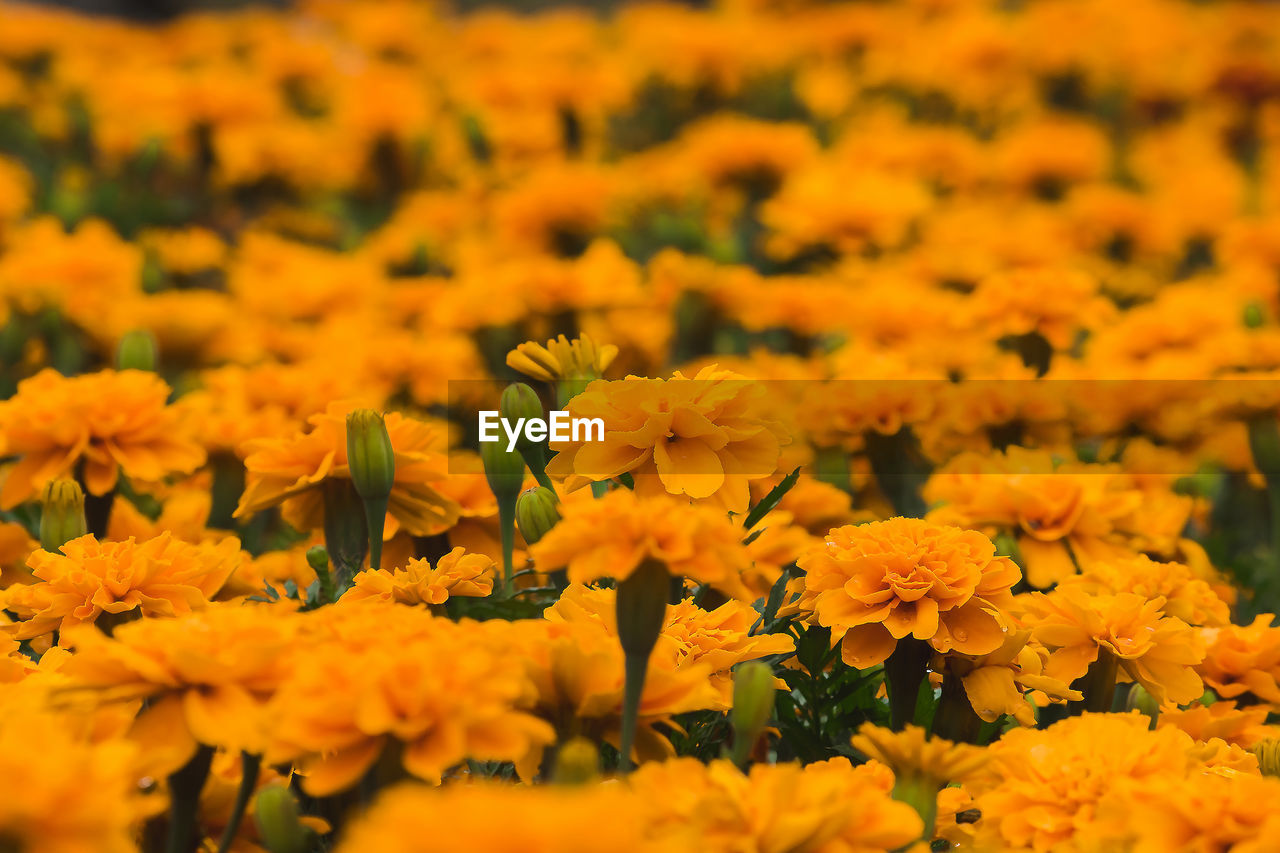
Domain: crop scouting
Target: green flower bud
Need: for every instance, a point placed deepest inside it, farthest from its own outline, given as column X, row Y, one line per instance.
column 1254, row 315
column 504, row 470
column 536, row 513
column 276, row 812
column 137, row 351
column 62, row 515
column 318, row 558
column 1141, row 700
column 753, row 695
column 370, row 455
column 577, row 763
column 520, row 401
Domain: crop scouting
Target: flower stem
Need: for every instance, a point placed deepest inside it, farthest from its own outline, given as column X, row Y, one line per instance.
column 507, row 525
column 1098, row 684
column 955, row 719
column 250, row 764
column 375, row 511
column 185, row 786
column 904, row 672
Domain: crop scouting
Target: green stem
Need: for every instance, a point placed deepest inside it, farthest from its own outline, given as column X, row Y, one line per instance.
column 250, row 764
column 955, row 719
column 904, row 672
column 1098, row 684
column 185, row 786
column 636, row 667
column 507, row 523
column 375, row 512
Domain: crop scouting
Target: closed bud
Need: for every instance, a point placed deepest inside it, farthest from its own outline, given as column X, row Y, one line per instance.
column 1268, row 753
column 276, row 812
column 137, row 351
column 577, row 763
column 1141, row 700
column 318, row 558
column 1254, row 316
column 536, row 513
column 519, row 401
column 753, row 695
column 503, row 469
column 370, row 455
column 62, row 514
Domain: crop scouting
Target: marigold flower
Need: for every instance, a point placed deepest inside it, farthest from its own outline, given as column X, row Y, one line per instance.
column 823, row 807
column 1159, row 652
column 703, row 436
column 450, row 692
column 1042, row 788
column 289, row 471
column 1243, row 727
column 1185, row 595
column 875, row 584
column 206, row 677
column 561, row 359
column 1203, row 811
column 159, row 577
column 110, row 420
column 1243, row 660
column 998, row 683
column 554, row 819
column 456, row 574
column 911, row 752
column 611, row 537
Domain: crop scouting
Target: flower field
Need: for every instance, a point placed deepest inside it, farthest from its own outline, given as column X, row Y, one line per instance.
column 934, row 349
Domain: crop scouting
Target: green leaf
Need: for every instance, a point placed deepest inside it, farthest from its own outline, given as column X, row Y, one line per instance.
column 769, row 501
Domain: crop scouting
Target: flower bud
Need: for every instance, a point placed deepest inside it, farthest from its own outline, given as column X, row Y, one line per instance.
column 1268, row 753
column 62, row 514
column 536, row 513
column 137, row 351
column 520, row 401
column 1254, row 316
column 1141, row 700
column 577, row 763
column 503, row 469
column 370, row 455
column 276, row 812
column 318, row 558
column 753, row 695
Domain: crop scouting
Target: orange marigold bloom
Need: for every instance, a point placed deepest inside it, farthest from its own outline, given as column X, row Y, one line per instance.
column 1159, row 652
column 451, row 691
column 290, row 471
column 997, row 683
column 704, row 436
column 561, row 358
column 824, row 807
column 456, row 574
column 612, row 536
column 1244, row 659
column 206, row 677
column 875, row 584
column 1042, row 788
column 163, row 576
column 1186, row 596
column 912, row 752
column 719, row 638
column 505, row 819
column 1203, row 811
column 1243, row 727
column 110, row 420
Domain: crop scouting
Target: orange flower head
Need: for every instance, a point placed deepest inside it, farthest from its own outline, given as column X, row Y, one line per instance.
column 456, row 574
column 875, row 584
column 704, row 436
column 1159, row 652
column 290, row 471
column 163, row 576
column 612, row 536
column 562, row 359
column 110, row 420
column 1244, row 660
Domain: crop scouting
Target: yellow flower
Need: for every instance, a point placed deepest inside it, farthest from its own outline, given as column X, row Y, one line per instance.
column 450, row 692
column 504, row 819
column 1204, row 811
column 561, row 358
column 996, row 683
column 612, row 536
column 877, row 583
column 912, row 753
column 290, row 471
column 1044, row 787
column 456, row 574
column 1244, row 660
column 206, row 677
column 110, row 421
column 159, row 577
column 705, row 436
column 825, row 807
column 1159, row 652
